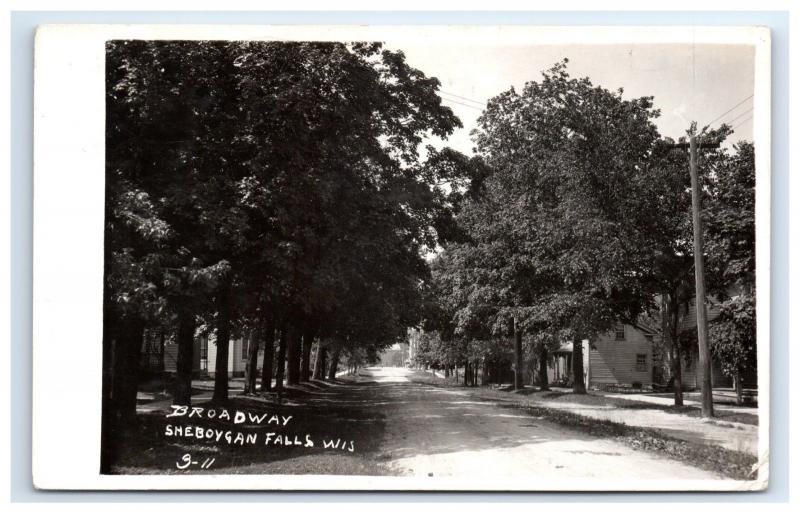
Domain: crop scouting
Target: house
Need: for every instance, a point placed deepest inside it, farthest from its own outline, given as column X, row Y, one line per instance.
column 622, row 357
column 394, row 356
column 630, row 357
column 690, row 367
column 160, row 355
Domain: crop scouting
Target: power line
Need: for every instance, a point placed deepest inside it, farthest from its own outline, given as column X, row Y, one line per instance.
column 730, row 122
column 462, row 104
column 462, row 97
column 737, row 105
column 741, row 123
column 470, row 103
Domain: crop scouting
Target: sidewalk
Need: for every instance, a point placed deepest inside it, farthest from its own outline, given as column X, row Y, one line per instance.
column 730, row 434
column 734, row 428
column 690, row 399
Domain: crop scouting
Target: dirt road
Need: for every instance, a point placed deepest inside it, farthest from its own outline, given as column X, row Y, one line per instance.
column 401, row 424
column 436, row 431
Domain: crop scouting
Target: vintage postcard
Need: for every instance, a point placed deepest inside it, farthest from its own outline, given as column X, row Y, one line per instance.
column 401, row 258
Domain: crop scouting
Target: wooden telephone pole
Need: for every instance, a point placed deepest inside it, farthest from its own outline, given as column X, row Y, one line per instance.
column 700, row 278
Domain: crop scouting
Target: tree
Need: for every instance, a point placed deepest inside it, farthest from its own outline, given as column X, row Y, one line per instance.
column 731, row 250
column 564, row 154
column 730, row 220
column 663, row 212
column 267, row 367
column 733, row 337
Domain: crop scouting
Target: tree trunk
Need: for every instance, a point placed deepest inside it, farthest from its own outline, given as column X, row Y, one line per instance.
column 308, row 343
column 334, row 365
column 162, row 340
column 578, row 385
column 108, row 442
column 544, row 383
column 280, row 366
column 319, row 362
column 737, row 384
column 475, row 373
column 267, row 366
column 293, row 344
column 519, row 383
column 251, row 369
column 185, row 361
column 466, row 373
column 670, row 332
column 124, row 346
column 223, row 346
column 127, row 354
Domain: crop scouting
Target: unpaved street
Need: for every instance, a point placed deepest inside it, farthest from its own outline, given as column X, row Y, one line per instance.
column 401, row 424
column 436, row 431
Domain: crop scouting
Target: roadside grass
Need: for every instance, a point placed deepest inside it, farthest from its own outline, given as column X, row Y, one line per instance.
column 729, row 463
column 720, row 415
column 726, row 462
column 324, row 413
column 594, row 399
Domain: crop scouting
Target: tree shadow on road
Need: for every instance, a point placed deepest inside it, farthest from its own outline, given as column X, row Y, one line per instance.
column 324, row 412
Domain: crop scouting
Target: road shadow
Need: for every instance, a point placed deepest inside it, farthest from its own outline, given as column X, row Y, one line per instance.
column 336, row 416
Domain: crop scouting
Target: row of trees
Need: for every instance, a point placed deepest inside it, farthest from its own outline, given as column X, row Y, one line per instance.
column 267, row 189
column 582, row 221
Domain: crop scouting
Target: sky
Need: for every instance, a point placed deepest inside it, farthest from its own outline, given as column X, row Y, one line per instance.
column 698, row 82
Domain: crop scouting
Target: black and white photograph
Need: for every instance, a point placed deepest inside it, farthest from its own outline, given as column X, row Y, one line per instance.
column 497, row 258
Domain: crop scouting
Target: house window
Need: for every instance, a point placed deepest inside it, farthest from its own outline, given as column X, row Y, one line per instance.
column 204, row 354
column 649, row 337
column 619, row 332
column 641, row 362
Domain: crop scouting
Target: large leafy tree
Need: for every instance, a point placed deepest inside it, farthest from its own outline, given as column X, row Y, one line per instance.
column 731, row 235
column 663, row 213
column 730, row 220
column 240, row 178
column 564, row 155
column 733, row 339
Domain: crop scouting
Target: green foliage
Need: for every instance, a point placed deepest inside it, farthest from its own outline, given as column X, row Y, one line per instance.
column 730, row 217
column 580, row 219
column 285, row 173
column 552, row 245
column 733, row 335
column 566, row 156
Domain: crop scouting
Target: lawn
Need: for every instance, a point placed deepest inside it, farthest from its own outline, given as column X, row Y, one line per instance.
column 330, row 432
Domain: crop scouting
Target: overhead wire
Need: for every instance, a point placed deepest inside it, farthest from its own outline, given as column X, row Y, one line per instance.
column 737, row 105
column 743, row 122
column 462, row 104
column 732, row 121
column 482, row 103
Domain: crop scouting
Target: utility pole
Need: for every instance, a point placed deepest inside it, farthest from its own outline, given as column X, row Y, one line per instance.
column 700, row 286
column 700, row 277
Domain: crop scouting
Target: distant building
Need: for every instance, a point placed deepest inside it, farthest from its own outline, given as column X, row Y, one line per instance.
column 629, row 356
column 622, row 357
column 413, row 337
column 690, row 368
column 160, row 355
column 395, row 356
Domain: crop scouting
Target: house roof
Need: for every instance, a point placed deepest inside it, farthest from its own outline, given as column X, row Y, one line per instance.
column 566, row 347
column 645, row 328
